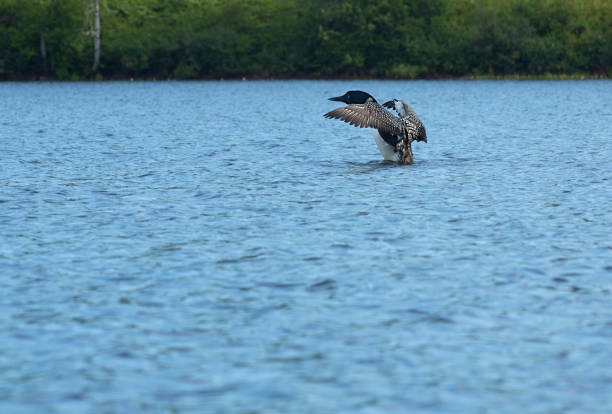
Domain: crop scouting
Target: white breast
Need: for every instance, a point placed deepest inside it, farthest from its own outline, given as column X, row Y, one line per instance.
column 387, row 151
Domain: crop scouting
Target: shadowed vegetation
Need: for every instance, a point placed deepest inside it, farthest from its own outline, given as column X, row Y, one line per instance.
column 190, row 39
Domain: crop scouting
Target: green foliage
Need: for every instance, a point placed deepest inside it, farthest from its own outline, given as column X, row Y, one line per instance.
column 190, row 39
column 26, row 25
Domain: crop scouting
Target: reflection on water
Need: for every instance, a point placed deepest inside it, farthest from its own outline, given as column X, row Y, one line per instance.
column 174, row 246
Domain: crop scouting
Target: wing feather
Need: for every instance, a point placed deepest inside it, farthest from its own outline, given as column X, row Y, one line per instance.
column 369, row 115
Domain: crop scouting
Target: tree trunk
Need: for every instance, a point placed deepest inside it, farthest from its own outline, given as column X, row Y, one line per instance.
column 43, row 53
column 48, row 16
column 96, row 34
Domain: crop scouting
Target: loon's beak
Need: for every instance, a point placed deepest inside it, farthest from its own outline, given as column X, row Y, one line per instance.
column 337, row 98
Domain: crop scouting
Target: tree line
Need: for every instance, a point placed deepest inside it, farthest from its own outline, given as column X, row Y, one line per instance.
column 194, row 39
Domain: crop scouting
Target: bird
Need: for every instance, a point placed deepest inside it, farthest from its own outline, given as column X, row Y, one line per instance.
column 415, row 130
column 393, row 135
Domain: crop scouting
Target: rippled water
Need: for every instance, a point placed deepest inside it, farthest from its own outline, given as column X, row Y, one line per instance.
column 221, row 247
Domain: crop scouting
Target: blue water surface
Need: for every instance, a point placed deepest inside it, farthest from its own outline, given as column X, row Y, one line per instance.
column 189, row 247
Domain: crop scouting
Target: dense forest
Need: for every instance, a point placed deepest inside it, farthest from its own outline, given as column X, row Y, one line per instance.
column 192, row 39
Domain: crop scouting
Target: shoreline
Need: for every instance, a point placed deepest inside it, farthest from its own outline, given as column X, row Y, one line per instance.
column 580, row 76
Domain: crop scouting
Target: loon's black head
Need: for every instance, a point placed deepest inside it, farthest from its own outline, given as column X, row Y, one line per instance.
column 354, row 97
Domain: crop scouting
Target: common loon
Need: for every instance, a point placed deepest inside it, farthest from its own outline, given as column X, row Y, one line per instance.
column 392, row 135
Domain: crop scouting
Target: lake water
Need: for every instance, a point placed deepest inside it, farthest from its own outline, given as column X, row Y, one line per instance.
column 220, row 247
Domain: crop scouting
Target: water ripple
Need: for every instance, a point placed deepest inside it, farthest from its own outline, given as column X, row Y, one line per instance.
column 161, row 253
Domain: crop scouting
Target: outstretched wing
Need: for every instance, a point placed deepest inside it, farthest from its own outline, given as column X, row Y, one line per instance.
column 390, row 104
column 401, row 107
column 370, row 115
column 414, row 126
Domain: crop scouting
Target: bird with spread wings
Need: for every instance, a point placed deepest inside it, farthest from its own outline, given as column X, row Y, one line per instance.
column 397, row 131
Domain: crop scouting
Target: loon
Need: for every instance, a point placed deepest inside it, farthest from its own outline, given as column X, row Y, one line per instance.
column 392, row 135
